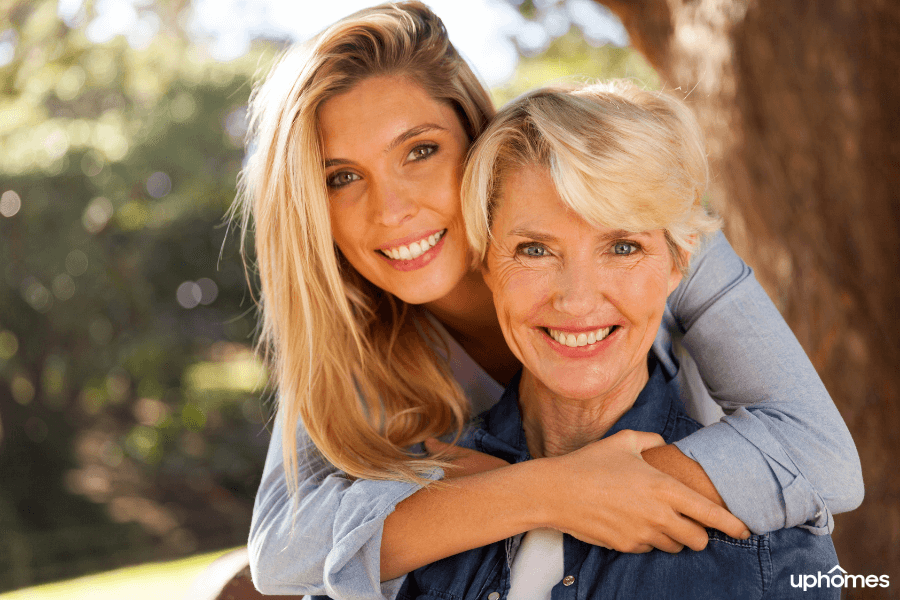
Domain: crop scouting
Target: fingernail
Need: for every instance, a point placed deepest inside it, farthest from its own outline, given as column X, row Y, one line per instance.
column 745, row 535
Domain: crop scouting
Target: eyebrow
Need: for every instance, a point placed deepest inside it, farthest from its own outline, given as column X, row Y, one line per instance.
column 540, row 236
column 413, row 132
column 397, row 141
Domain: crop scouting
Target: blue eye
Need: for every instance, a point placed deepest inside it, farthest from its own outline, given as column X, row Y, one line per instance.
column 533, row 250
column 625, row 248
column 422, row 151
column 340, row 179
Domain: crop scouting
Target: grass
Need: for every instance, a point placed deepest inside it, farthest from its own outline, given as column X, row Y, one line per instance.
column 169, row 580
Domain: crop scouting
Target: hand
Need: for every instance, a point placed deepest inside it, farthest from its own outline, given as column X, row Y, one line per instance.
column 612, row 498
column 465, row 461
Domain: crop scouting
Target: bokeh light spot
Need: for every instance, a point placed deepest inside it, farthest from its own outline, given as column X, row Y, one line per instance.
column 10, row 203
column 189, row 294
column 63, row 286
column 182, row 107
column 97, row 214
column 159, row 184
column 92, row 163
column 76, row 263
column 70, row 84
column 209, row 291
column 22, row 390
column 101, row 331
column 36, row 294
column 9, row 345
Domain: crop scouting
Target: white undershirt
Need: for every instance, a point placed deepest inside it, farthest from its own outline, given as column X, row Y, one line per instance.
column 537, row 566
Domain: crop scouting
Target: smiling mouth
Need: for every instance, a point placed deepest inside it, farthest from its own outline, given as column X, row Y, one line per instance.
column 576, row 340
column 415, row 249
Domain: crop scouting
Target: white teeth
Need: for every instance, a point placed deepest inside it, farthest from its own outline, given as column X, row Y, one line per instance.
column 581, row 339
column 416, row 249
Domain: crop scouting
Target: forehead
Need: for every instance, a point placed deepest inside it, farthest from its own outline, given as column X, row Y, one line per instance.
column 528, row 195
column 376, row 111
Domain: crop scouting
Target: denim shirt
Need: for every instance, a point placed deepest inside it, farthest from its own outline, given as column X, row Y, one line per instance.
column 759, row 567
column 781, row 457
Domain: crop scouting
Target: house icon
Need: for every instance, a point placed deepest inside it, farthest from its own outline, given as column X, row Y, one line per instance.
column 838, row 567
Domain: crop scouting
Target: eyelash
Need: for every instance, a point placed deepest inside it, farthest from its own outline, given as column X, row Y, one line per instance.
column 522, row 249
column 332, row 180
column 432, row 150
column 636, row 246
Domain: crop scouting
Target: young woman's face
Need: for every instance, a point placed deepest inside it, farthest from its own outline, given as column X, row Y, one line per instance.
column 393, row 164
column 579, row 305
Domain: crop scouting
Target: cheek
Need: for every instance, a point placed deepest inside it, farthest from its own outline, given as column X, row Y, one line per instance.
column 520, row 294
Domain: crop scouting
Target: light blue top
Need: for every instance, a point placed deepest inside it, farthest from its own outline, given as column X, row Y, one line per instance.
column 780, row 457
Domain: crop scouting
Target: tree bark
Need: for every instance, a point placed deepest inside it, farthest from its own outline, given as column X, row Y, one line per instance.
column 800, row 103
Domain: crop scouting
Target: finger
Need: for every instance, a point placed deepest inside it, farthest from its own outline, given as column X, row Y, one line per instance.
column 687, row 532
column 667, row 544
column 710, row 514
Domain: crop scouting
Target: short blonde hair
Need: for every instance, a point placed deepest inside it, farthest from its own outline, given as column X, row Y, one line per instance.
column 618, row 155
column 359, row 367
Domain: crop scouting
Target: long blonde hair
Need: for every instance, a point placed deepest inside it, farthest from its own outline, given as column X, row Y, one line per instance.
column 362, row 369
column 618, row 155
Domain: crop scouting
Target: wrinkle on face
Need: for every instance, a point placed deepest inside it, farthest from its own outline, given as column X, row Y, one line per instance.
column 581, row 276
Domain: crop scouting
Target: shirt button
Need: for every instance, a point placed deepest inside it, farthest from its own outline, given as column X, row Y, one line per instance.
column 493, row 596
column 568, row 580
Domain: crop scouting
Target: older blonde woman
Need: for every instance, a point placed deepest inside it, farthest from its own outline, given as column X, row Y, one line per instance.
column 382, row 334
column 586, row 207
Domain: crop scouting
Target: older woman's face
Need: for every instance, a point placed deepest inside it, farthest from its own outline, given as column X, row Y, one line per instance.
column 393, row 163
column 579, row 305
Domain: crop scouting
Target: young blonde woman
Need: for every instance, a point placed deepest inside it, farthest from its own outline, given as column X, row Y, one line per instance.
column 382, row 334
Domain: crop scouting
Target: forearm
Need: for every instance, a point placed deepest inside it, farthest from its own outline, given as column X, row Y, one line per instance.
column 460, row 514
column 671, row 461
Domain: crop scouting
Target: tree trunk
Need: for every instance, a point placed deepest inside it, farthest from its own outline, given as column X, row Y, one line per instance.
column 800, row 102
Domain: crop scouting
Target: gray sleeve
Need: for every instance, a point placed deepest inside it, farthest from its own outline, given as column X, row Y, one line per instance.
column 327, row 538
column 782, row 456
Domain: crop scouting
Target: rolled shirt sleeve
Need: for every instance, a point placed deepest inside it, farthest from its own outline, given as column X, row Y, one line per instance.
column 330, row 544
column 782, row 455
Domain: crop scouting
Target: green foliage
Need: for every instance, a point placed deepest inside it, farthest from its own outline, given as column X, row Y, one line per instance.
column 117, row 166
column 570, row 58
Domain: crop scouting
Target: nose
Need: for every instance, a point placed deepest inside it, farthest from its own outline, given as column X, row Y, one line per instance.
column 578, row 289
column 393, row 204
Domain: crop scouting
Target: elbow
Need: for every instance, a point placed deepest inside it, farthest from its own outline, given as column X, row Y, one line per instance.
column 852, row 494
column 847, row 490
column 259, row 574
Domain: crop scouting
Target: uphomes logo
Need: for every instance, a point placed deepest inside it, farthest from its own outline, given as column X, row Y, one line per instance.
column 838, row 578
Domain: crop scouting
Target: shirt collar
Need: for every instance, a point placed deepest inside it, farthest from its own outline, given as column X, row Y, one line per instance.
column 655, row 411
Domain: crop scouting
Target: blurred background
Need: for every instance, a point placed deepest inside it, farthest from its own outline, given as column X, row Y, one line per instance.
column 133, row 412
column 132, row 409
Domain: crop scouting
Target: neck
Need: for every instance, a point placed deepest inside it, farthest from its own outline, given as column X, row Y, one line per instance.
column 468, row 309
column 556, row 425
column 468, row 314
